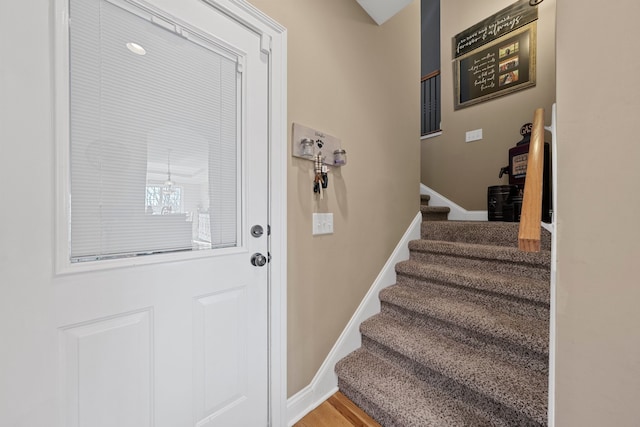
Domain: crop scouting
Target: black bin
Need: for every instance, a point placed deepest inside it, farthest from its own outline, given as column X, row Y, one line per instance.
column 500, row 204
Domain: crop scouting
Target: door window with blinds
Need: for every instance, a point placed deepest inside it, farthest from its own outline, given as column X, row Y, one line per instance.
column 154, row 135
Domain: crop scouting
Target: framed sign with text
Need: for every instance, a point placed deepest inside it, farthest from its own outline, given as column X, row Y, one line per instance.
column 503, row 66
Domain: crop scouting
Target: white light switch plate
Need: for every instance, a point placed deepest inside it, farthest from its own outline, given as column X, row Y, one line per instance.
column 322, row 223
column 473, row 135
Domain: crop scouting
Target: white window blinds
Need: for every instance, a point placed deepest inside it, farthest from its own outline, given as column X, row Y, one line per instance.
column 154, row 136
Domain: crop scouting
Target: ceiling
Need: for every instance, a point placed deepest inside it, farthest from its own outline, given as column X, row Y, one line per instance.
column 381, row 10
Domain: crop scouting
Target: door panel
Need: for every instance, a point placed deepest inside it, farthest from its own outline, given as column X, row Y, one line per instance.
column 103, row 387
column 220, row 322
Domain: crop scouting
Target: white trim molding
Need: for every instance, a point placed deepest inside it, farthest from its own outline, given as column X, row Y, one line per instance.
column 554, row 267
column 430, row 135
column 458, row 213
column 325, row 382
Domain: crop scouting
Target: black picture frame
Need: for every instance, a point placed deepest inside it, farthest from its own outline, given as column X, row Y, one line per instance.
column 504, row 66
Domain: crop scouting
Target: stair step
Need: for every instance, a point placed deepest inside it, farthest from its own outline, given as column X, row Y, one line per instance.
column 434, row 213
column 493, row 347
column 489, row 300
column 531, row 290
column 499, row 259
column 521, row 390
column 394, row 398
column 424, row 199
column 479, row 232
column 523, row 333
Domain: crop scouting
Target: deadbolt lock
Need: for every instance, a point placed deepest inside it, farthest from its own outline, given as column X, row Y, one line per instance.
column 257, row 231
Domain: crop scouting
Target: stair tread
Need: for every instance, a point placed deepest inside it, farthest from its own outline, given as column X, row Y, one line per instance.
column 434, row 213
column 482, row 251
column 498, row 233
column 432, row 209
column 536, row 290
column 524, row 331
column 517, row 388
column 402, row 397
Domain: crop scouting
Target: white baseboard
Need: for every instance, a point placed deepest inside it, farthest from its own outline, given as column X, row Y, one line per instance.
column 305, row 401
column 325, row 382
column 458, row 213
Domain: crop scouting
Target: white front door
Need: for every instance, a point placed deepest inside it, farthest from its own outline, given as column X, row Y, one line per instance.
column 133, row 338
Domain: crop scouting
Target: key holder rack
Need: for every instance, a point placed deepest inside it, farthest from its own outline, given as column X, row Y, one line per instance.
column 308, row 143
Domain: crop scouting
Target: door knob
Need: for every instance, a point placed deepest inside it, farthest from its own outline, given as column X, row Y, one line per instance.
column 258, row 259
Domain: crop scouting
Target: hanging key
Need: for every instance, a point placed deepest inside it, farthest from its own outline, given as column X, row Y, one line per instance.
column 317, row 181
column 325, row 176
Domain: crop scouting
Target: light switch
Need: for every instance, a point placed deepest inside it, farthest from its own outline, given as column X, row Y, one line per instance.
column 322, row 223
column 473, row 135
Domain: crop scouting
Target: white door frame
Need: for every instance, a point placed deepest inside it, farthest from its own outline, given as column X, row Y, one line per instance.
column 274, row 43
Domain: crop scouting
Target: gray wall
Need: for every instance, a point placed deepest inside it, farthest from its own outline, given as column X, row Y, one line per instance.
column 598, row 343
column 430, row 40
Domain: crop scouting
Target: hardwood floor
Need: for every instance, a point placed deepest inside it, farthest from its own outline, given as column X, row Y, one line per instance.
column 337, row 411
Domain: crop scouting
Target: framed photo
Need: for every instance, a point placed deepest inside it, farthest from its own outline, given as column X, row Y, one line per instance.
column 504, row 66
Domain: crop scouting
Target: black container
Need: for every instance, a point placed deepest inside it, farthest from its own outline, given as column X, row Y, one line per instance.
column 500, row 204
column 517, row 206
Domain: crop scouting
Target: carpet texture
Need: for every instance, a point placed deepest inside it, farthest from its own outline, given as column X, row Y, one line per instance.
column 462, row 338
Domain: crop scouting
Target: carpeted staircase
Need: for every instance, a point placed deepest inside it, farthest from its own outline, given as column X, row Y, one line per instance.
column 432, row 213
column 462, row 338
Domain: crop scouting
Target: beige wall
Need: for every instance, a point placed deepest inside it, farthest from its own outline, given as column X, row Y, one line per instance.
column 359, row 82
column 598, row 315
column 462, row 171
column 598, row 349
